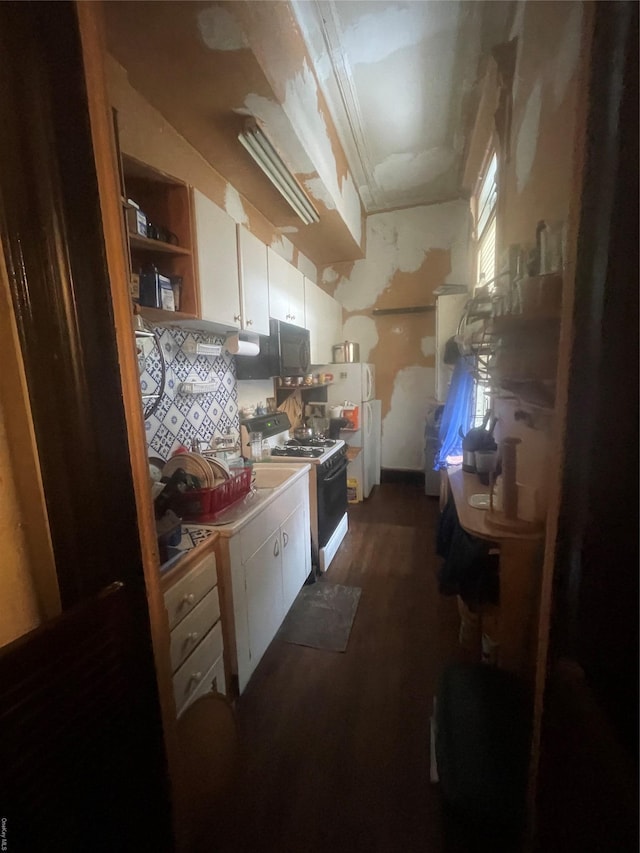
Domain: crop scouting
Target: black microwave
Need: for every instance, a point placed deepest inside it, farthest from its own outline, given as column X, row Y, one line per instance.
column 284, row 353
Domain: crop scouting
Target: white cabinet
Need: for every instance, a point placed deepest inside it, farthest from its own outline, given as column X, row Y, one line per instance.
column 294, row 549
column 286, row 290
column 265, row 602
column 196, row 650
column 323, row 315
column 254, row 283
column 265, row 565
column 217, row 260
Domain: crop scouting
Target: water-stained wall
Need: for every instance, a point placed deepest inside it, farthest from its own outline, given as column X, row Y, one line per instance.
column 537, row 175
column 409, row 253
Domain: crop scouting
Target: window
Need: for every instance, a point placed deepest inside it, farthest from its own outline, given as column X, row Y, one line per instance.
column 486, row 205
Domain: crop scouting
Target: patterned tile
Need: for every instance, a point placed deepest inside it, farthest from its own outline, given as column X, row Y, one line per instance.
column 180, row 418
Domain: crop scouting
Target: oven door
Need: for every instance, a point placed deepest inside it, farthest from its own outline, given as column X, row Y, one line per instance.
column 332, row 500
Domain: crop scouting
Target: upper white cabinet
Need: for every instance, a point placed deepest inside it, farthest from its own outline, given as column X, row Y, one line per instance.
column 286, row 290
column 254, row 283
column 217, row 259
column 323, row 316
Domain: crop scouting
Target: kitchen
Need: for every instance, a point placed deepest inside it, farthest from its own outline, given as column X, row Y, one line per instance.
column 404, row 248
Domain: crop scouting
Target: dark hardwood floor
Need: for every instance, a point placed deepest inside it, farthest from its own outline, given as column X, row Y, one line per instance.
column 337, row 745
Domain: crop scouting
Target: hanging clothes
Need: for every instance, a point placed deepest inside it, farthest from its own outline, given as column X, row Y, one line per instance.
column 458, row 412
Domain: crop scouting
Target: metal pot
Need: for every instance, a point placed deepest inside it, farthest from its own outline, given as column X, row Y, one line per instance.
column 346, row 352
column 478, row 438
column 303, row 433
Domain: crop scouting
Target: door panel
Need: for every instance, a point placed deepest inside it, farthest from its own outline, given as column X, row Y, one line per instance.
column 80, row 770
column 265, row 603
column 294, row 564
column 80, row 720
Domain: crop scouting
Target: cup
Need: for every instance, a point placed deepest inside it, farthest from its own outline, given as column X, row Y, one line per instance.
column 255, row 442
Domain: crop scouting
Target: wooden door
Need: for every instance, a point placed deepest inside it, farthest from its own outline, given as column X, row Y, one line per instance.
column 84, row 763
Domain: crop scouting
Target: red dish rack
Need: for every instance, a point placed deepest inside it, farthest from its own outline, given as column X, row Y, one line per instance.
column 206, row 504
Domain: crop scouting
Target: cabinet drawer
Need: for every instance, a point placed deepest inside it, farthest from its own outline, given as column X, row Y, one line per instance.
column 190, row 631
column 192, row 673
column 211, row 682
column 181, row 598
column 270, row 519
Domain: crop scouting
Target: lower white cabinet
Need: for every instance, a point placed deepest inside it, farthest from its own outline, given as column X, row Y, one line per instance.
column 295, row 548
column 193, row 607
column 265, row 566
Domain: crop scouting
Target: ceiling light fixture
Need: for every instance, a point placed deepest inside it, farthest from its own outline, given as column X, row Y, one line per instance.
column 265, row 155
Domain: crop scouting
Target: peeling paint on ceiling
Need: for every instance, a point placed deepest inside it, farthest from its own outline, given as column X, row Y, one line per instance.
column 404, row 171
column 219, row 30
column 395, row 76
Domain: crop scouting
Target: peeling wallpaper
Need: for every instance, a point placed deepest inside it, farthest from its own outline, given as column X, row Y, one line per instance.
column 409, row 253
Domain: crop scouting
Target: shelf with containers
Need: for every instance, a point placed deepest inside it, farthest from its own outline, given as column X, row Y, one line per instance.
column 158, row 226
column 523, row 343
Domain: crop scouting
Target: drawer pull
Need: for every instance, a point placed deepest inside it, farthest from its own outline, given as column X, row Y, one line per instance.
column 189, row 598
column 192, row 637
column 196, row 676
column 276, row 548
column 285, row 539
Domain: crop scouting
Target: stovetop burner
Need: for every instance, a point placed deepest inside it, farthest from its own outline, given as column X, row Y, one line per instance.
column 310, row 442
column 295, row 449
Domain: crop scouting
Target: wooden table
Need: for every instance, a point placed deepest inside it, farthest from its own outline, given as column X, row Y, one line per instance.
column 520, row 572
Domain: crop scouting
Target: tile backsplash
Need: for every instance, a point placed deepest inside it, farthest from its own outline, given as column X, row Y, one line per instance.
column 180, row 417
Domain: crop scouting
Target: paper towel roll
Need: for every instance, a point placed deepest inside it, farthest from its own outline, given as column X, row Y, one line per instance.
column 235, row 346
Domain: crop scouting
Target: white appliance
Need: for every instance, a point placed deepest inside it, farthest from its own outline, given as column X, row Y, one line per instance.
column 356, row 383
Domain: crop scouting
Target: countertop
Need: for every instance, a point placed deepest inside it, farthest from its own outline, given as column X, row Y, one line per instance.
column 243, row 511
column 463, row 485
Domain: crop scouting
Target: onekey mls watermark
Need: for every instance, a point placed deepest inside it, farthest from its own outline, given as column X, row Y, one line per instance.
column 4, row 844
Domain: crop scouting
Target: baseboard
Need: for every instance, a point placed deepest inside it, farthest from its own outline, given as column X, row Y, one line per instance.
column 402, row 475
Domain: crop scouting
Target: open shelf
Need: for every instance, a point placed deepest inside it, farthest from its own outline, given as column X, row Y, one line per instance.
column 166, row 202
column 157, row 315
column 136, row 241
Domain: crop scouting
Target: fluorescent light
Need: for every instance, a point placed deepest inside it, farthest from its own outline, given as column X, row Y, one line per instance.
column 265, row 155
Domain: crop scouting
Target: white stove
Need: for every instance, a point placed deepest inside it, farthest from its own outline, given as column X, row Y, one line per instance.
column 316, row 451
column 327, row 481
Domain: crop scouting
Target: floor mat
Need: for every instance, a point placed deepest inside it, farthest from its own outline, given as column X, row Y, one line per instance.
column 321, row 616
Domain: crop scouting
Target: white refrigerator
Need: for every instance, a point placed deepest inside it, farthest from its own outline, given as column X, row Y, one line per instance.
column 356, row 383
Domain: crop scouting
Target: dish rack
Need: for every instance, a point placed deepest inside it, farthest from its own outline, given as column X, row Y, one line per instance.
column 206, row 504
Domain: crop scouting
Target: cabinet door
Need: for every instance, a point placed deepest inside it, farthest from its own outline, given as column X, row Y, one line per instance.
column 265, row 604
column 295, row 545
column 312, row 316
column 323, row 315
column 254, row 283
column 295, row 289
column 336, row 326
column 286, row 290
column 217, row 257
